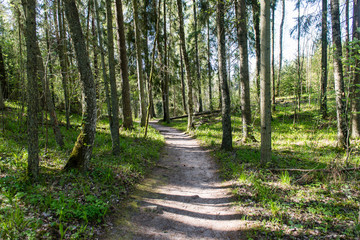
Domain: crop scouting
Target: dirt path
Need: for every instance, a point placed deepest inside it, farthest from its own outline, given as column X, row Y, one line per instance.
column 182, row 199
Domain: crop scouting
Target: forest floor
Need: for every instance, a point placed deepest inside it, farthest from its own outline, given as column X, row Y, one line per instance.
column 183, row 198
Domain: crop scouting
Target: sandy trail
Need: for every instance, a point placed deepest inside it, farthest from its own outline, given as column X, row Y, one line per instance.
column 183, row 198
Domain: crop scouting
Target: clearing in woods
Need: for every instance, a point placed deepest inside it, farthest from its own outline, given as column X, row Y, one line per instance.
column 183, row 198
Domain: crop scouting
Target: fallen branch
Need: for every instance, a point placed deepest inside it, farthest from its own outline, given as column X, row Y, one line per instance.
column 197, row 114
column 314, row 170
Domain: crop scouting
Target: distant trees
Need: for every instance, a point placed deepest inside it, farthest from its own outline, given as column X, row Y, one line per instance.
column 190, row 105
column 355, row 94
column 181, row 68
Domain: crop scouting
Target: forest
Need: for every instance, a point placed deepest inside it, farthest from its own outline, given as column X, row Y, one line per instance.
column 172, row 119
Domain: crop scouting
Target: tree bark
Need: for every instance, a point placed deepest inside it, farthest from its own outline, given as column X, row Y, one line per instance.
column 140, row 74
column 355, row 103
column 273, row 4
column 166, row 74
column 2, row 79
column 190, row 108
column 3, row 92
column 198, row 76
column 280, row 48
column 324, row 71
column 241, row 20
column 127, row 112
column 81, row 153
column 338, row 76
column 32, row 88
column 265, row 103
column 209, row 64
column 182, row 80
column 298, row 64
column 226, row 143
column 256, row 20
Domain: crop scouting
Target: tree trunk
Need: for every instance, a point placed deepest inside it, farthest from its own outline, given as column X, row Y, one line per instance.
column 298, row 64
column 140, row 74
column 209, row 64
column 81, row 153
column 226, row 143
column 166, row 74
column 241, row 20
column 187, row 66
column 182, row 80
column 256, row 20
column 61, row 51
column 112, row 104
column 280, row 49
column 146, row 54
column 355, row 103
column 198, row 77
column 127, row 118
column 265, row 103
column 338, row 76
column 324, row 71
column 273, row 4
column 32, row 88
column 2, row 79
column 3, row 92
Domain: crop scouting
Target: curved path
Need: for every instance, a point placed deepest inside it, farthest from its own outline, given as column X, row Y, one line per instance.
column 183, row 198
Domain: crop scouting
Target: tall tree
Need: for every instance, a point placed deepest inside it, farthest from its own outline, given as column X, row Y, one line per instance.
column 338, row 76
column 32, row 88
column 256, row 21
column 113, row 103
column 182, row 79
column 61, row 51
column 190, row 104
column 241, row 20
column 355, row 104
column 165, row 83
column 197, row 62
column 273, row 5
column 280, row 47
column 225, row 108
column 2, row 74
column 139, row 60
column 2, row 79
column 82, row 151
column 324, row 71
column 209, row 64
column 265, row 103
column 299, row 81
column 126, row 102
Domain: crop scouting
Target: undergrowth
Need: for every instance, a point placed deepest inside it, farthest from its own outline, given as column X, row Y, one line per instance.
column 67, row 205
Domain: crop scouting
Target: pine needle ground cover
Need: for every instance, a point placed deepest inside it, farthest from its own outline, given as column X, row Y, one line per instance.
column 67, row 205
column 280, row 204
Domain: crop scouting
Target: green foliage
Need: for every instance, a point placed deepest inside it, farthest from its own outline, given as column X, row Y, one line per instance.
column 284, row 204
column 64, row 205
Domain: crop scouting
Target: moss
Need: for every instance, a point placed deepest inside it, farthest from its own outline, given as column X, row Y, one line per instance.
column 77, row 158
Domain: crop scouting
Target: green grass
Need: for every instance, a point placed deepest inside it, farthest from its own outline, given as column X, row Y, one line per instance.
column 64, row 205
column 289, row 204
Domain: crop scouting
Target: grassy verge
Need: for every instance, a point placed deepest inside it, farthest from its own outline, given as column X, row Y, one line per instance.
column 290, row 204
column 66, row 205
